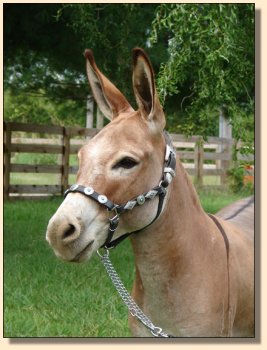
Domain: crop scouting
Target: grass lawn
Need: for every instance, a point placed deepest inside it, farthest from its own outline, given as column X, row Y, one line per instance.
column 44, row 297
column 38, row 179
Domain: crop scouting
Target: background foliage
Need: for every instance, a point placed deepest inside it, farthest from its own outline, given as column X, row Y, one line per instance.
column 210, row 64
column 202, row 54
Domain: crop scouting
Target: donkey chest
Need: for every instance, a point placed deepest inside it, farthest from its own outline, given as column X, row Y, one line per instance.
column 179, row 319
column 178, row 306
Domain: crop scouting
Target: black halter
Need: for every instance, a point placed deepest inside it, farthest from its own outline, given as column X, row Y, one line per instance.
column 160, row 190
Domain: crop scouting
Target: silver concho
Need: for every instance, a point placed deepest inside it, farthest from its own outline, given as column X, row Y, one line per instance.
column 74, row 187
column 88, row 190
column 151, row 194
column 141, row 199
column 130, row 205
column 102, row 199
column 168, row 178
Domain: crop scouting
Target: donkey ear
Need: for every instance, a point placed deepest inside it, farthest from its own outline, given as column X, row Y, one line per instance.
column 145, row 90
column 109, row 99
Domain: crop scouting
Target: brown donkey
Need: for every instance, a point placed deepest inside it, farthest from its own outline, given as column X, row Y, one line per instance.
column 194, row 272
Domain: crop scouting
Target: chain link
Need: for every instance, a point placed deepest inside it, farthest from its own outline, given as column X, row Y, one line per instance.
column 127, row 299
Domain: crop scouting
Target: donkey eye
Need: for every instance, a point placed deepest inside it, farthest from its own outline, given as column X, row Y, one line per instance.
column 126, row 163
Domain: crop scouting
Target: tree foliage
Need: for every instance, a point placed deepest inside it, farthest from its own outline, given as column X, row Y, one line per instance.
column 210, row 63
column 39, row 52
column 47, row 51
column 39, row 109
column 44, row 58
column 112, row 31
column 203, row 56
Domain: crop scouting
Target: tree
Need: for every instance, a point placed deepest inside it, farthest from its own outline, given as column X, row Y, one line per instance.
column 206, row 51
column 32, row 35
column 112, row 31
column 42, row 63
column 210, row 64
column 43, row 51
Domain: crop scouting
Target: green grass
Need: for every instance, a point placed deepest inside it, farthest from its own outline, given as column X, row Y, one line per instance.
column 215, row 199
column 44, row 297
column 38, row 179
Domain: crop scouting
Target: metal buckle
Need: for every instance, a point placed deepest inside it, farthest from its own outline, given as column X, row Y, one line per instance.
column 116, row 216
column 114, row 221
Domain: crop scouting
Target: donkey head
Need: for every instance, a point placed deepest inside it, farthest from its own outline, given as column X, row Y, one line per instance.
column 123, row 160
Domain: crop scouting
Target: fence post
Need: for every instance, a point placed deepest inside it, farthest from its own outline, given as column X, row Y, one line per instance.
column 99, row 119
column 199, row 161
column 7, row 156
column 65, row 160
column 225, row 131
column 226, row 164
column 89, row 112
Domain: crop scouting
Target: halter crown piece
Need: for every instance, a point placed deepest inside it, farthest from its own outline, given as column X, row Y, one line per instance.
column 118, row 209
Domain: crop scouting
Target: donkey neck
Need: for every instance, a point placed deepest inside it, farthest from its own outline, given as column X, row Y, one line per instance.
column 169, row 238
column 172, row 258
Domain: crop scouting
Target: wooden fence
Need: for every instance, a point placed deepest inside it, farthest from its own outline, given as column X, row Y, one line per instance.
column 201, row 159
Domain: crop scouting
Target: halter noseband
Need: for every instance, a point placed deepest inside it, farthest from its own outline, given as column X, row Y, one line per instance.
column 160, row 190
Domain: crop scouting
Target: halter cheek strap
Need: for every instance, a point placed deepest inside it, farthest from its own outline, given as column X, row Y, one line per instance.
column 160, row 191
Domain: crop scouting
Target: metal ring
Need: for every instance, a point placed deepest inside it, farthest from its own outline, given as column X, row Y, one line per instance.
column 105, row 253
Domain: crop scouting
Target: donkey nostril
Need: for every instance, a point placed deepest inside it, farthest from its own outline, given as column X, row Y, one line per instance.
column 69, row 231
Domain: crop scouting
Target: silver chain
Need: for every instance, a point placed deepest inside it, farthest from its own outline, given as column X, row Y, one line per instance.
column 127, row 299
